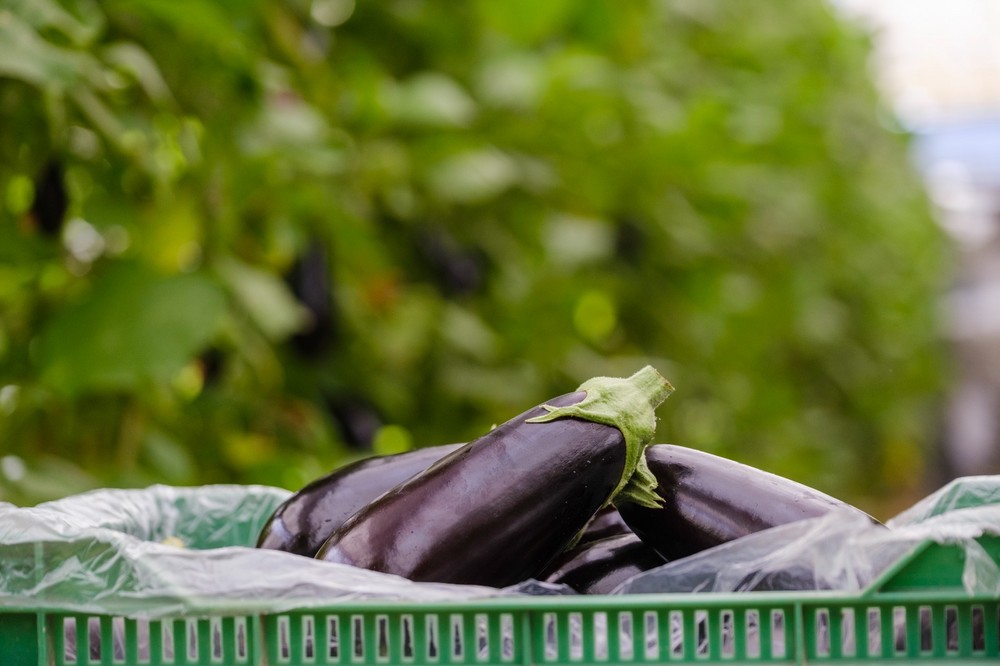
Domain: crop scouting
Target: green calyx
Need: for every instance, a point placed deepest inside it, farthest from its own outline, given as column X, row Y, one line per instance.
column 628, row 404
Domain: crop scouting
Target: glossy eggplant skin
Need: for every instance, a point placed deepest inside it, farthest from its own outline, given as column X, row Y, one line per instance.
column 306, row 519
column 494, row 512
column 710, row 500
column 599, row 566
column 606, row 523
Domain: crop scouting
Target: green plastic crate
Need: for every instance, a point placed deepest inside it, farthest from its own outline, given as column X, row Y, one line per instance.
column 918, row 611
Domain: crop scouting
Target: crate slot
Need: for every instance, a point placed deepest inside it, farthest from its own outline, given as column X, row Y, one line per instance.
column 676, row 634
column 926, row 638
column 600, row 623
column 242, row 650
column 193, row 642
column 482, row 637
column 822, row 632
column 432, row 637
column 778, row 641
column 309, row 637
column 551, row 645
column 457, row 639
column 332, row 638
column 899, row 629
column 726, row 634
column 626, row 637
column 752, row 626
column 94, row 642
column 874, row 631
column 382, row 638
column 406, row 628
column 978, row 636
column 167, row 635
column 357, row 638
column 284, row 642
column 651, row 636
column 951, row 629
column 507, row 637
column 701, row 633
column 848, row 642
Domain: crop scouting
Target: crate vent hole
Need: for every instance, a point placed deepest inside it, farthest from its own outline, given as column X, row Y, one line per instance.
column 874, row 631
column 216, row 633
column 601, row 635
column 457, row 639
column 676, row 634
column 575, row 622
column 778, row 634
column 407, row 628
column 309, row 637
column 899, row 629
column 848, row 646
column 626, row 645
column 753, row 634
column 926, row 640
column 94, row 638
column 507, row 637
column 358, row 637
column 728, row 634
column 69, row 640
column 284, row 643
column 551, row 644
column 332, row 637
column 482, row 639
column 242, row 650
column 167, row 634
column 701, row 632
column 651, row 644
column 978, row 622
column 823, row 632
column 382, row 651
column 432, row 637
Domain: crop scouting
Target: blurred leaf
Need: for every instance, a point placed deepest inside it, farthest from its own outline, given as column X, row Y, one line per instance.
column 430, row 99
column 168, row 459
column 135, row 60
column 473, row 176
column 48, row 14
column 133, row 327
column 525, row 20
column 28, row 57
column 268, row 301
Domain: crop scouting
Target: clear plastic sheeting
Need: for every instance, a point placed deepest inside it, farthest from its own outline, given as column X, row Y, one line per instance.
column 842, row 551
column 966, row 492
column 167, row 551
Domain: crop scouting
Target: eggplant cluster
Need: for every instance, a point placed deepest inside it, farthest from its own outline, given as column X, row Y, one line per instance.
column 569, row 492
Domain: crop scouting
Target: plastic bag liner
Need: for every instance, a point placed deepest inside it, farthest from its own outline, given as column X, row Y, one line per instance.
column 841, row 550
column 165, row 551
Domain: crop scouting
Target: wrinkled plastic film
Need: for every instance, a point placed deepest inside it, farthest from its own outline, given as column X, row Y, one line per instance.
column 111, row 552
column 115, row 552
column 841, row 550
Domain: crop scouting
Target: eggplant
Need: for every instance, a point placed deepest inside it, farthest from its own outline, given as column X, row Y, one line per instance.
column 599, row 566
column 709, row 500
column 499, row 509
column 306, row 519
column 606, row 523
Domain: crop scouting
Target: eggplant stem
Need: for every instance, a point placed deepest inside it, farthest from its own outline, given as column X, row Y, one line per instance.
column 628, row 404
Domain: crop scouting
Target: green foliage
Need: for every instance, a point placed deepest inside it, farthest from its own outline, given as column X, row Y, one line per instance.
column 509, row 197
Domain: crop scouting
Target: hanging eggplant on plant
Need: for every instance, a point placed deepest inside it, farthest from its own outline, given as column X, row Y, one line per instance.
column 306, row 519
column 502, row 507
column 709, row 500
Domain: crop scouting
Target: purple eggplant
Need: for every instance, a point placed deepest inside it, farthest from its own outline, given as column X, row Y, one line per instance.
column 709, row 500
column 306, row 519
column 606, row 523
column 598, row 567
column 502, row 507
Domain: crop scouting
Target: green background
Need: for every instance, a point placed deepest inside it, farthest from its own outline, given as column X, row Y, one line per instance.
column 490, row 203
